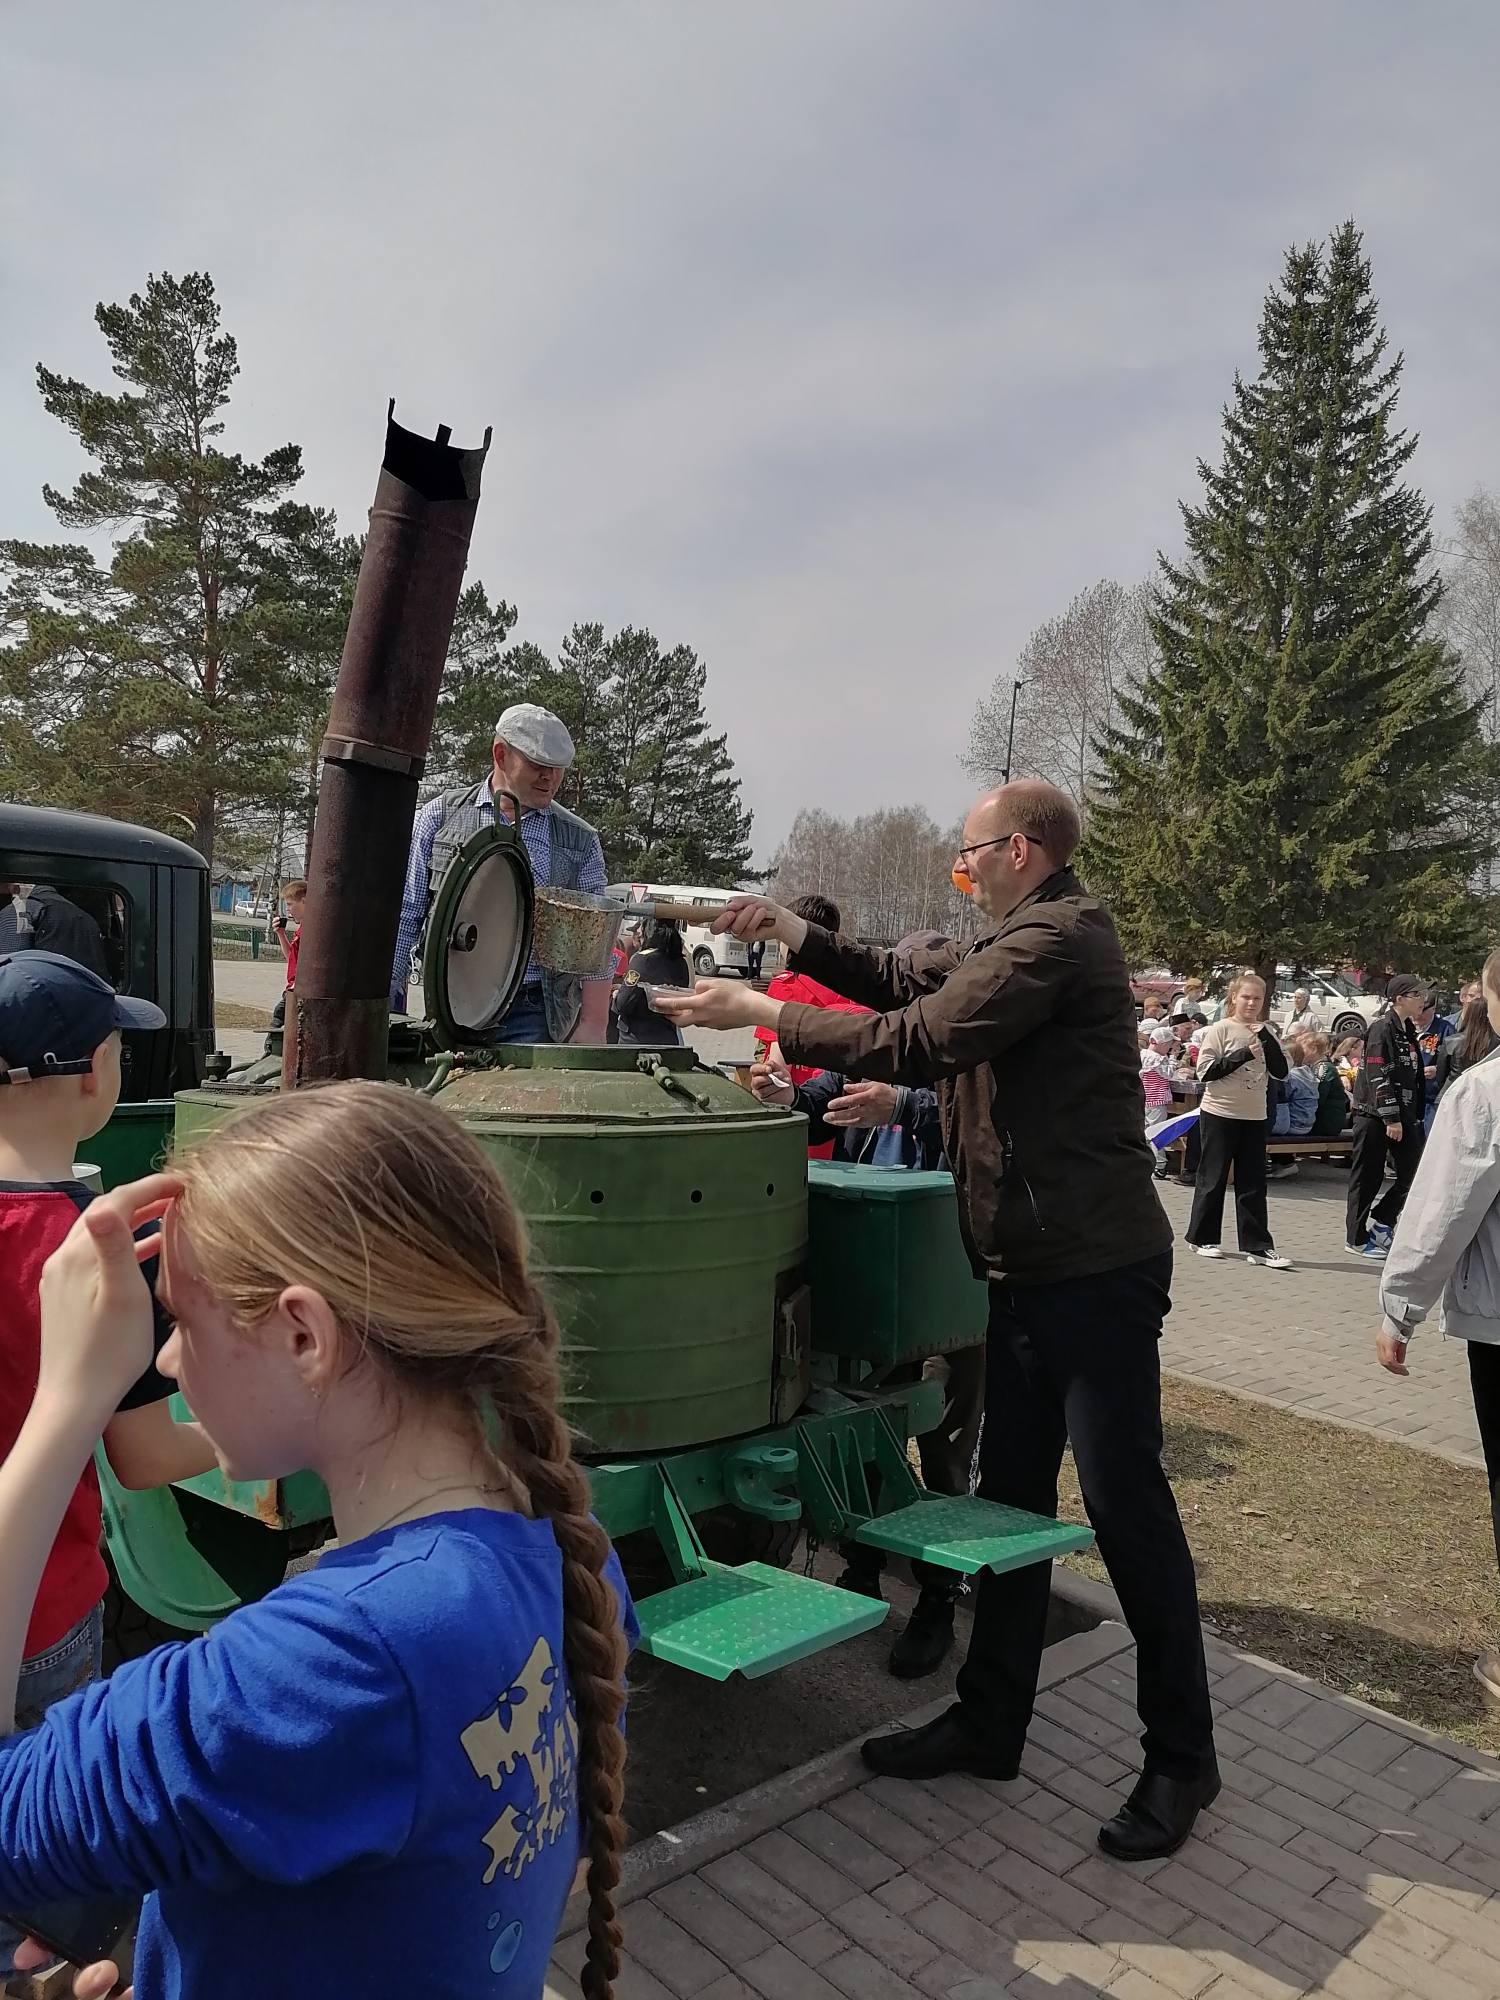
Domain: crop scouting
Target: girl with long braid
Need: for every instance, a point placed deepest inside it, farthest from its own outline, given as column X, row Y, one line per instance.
column 379, row 1778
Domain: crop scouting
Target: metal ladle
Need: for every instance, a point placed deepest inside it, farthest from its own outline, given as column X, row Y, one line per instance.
column 576, row 931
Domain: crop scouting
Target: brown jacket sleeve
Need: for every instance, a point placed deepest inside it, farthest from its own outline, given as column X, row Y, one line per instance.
column 992, row 997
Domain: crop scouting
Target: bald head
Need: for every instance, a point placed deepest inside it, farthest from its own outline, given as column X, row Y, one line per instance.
column 1014, row 839
column 1046, row 815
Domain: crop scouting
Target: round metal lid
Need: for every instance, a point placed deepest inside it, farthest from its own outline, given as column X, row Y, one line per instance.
column 477, row 944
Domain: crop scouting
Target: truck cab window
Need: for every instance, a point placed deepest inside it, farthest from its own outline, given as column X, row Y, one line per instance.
column 86, row 921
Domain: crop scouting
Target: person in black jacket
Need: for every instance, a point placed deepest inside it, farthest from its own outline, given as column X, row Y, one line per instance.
column 1389, row 1093
column 1473, row 1042
column 662, row 963
column 37, row 918
column 1028, row 1034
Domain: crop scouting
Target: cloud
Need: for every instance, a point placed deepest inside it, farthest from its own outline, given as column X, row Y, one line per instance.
column 845, row 342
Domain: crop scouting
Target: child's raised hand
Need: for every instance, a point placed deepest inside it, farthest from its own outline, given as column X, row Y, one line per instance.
column 96, row 1306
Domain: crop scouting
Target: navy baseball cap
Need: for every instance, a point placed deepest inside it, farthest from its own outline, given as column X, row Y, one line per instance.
column 54, row 1013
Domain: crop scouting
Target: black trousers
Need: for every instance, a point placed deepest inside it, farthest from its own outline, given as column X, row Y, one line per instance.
column 1367, row 1171
column 1239, row 1143
column 1484, row 1379
column 1078, row 1361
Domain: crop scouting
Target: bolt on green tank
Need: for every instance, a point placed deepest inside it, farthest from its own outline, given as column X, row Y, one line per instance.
column 667, row 1212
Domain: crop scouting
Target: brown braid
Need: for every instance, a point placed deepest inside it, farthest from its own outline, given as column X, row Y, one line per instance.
column 540, row 1453
column 422, row 1256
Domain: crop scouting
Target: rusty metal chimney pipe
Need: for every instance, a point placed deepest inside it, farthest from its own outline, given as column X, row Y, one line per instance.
column 375, row 752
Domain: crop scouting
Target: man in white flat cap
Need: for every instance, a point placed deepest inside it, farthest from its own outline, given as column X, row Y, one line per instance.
column 533, row 751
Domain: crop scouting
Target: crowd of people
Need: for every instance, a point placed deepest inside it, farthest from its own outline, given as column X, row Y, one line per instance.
column 314, row 1777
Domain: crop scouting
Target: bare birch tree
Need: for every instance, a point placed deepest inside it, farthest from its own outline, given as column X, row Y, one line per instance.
column 1470, row 610
column 1072, row 670
column 889, row 872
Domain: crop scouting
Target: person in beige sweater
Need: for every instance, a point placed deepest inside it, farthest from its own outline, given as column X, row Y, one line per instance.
column 1235, row 1058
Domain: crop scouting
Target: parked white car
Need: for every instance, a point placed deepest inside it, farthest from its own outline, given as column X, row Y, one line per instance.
column 1338, row 1005
column 707, row 954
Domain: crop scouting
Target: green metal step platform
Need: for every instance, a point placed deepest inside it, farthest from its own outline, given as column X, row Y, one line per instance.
column 970, row 1534
column 751, row 1620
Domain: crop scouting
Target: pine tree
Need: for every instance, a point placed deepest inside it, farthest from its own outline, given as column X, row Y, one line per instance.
column 647, row 773
column 187, row 678
column 1294, row 776
column 480, row 680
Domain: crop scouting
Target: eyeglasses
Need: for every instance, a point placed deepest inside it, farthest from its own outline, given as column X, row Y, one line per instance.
column 1003, row 840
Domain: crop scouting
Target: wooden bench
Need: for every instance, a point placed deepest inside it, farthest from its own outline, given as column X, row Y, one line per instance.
column 1309, row 1148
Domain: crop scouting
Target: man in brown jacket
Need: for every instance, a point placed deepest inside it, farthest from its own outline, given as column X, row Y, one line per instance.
column 1028, row 1034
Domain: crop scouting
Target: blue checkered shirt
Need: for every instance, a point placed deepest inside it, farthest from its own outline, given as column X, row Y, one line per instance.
column 536, row 831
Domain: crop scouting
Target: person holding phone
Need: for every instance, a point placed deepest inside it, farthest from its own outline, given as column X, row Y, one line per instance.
column 413, row 1741
column 1235, row 1058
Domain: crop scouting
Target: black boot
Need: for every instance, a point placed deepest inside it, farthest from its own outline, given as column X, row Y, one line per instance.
column 928, row 1638
column 944, row 1745
column 1158, row 1816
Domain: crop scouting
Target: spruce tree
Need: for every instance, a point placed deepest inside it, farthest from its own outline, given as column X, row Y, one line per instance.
column 1294, row 776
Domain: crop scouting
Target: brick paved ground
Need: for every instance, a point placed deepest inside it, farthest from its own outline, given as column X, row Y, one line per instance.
column 1306, row 1338
column 1347, row 1855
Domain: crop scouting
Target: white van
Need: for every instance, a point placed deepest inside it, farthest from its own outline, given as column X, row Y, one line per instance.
column 707, row 954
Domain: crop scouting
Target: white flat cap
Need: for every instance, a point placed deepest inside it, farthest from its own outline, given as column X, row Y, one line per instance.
column 537, row 733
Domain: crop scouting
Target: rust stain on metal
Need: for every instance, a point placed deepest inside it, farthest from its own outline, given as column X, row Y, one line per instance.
column 375, row 750
column 268, row 1503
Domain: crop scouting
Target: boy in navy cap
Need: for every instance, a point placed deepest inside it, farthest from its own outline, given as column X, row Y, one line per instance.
column 59, row 1082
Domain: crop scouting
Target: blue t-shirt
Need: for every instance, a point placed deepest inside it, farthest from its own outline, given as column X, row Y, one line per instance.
column 364, row 1783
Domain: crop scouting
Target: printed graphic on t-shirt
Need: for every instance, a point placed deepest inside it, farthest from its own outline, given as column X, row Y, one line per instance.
column 527, row 1746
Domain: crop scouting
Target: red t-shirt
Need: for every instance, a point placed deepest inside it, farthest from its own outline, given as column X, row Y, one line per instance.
column 34, row 1219
column 293, row 937
column 808, row 993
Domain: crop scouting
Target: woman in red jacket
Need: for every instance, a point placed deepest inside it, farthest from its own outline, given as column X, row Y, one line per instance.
column 811, row 993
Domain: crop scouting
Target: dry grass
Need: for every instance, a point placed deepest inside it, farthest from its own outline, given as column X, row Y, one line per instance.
column 1366, row 1565
column 230, row 1014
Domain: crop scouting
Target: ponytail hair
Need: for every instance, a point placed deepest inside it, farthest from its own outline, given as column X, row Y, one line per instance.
column 376, row 1199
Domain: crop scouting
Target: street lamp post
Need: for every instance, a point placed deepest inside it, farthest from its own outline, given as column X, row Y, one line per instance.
column 1010, row 741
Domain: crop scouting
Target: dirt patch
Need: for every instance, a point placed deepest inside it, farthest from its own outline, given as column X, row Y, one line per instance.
column 1366, row 1565
column 233, row 1014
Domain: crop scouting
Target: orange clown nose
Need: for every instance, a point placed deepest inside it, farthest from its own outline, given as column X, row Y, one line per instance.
column 961, row 879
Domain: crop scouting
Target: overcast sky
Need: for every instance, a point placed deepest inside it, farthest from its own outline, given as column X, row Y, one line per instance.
column 845, row 342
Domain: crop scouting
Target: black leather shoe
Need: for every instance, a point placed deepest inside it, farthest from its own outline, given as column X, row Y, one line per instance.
column 944, row 1745
column 1158, row 1816
column 928, row 1638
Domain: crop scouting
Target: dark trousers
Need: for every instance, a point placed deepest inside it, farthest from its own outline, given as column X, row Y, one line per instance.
column 947, row 1452
column 1077, row 1362
column 1367, row 1171
column 1239, row 1143
column 1484, row 1379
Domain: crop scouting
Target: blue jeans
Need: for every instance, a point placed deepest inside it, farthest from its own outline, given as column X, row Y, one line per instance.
column 76, row 1659
column 527, row 1019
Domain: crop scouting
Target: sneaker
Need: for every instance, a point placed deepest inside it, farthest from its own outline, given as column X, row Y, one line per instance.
column 1281, row 1171
column 1372, row 1252
column 1272, row 1260
column 1208, row 1249
column 1383, row 1234
column 1487, row 1673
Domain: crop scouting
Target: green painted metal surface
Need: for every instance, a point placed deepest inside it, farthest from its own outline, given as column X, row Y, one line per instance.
column 750, row 1620
column 970, row 1534
column 890, row 1277
column 664, row 1234
column 135, row 1142
column 157, row 1564
column 667, row 1213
